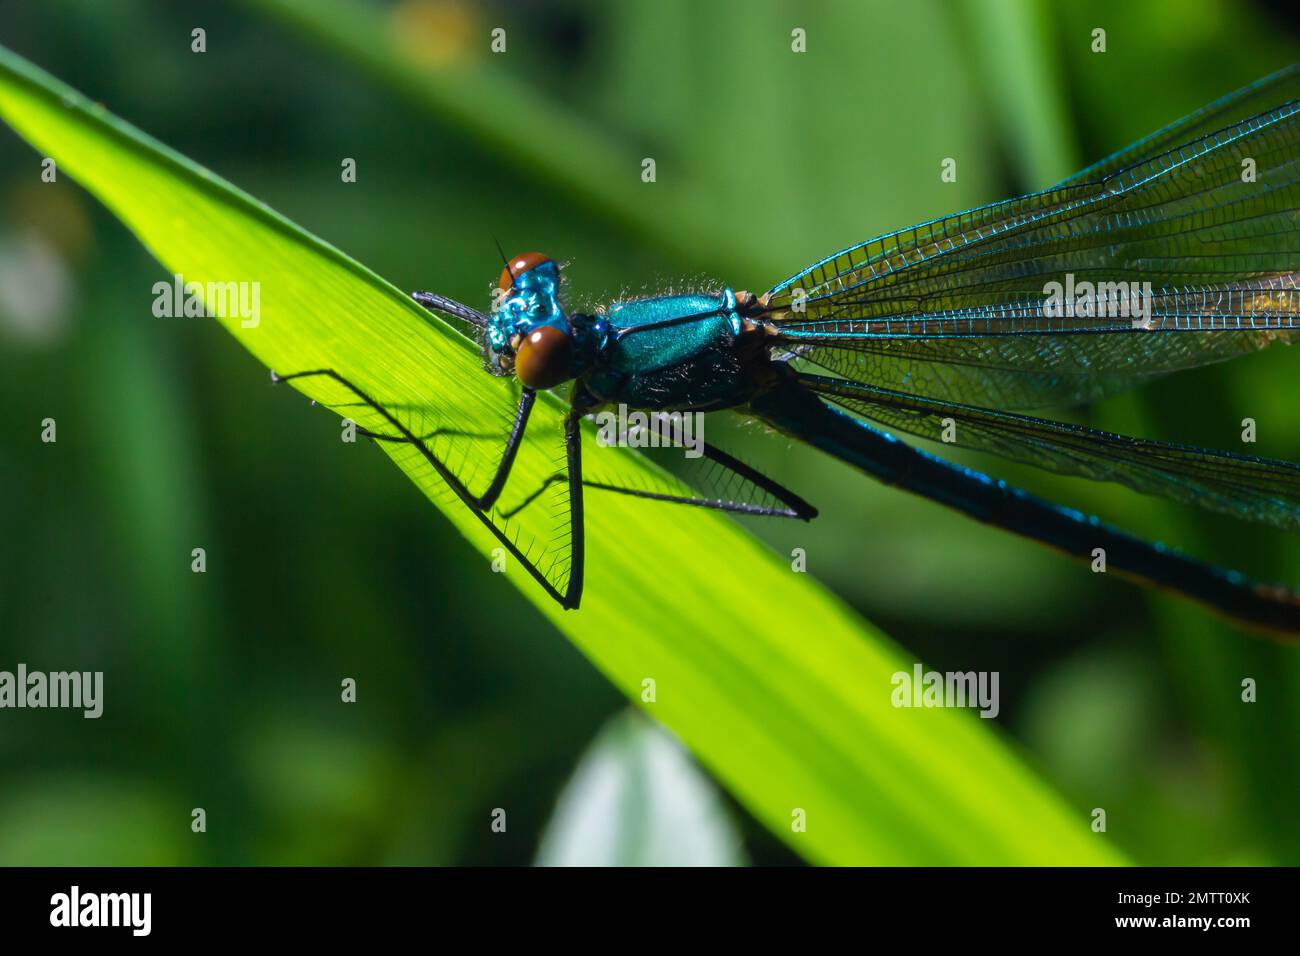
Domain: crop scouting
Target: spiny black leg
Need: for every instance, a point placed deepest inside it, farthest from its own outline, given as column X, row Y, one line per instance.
column 526, row 400
column 553, row 480
column 445, row 432
column 793, row 505
column 796, row 506
column 380, row 436
column 574, row 590
column 577, row 529
column 716, row 504
column 482, row 502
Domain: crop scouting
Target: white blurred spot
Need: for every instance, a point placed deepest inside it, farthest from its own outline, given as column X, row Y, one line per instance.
column 35, row 290
column 637, row 799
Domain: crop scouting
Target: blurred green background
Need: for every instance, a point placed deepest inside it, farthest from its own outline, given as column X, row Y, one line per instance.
column 324, row 562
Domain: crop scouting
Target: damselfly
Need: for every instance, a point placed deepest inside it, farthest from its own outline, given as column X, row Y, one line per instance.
column 1187, row 244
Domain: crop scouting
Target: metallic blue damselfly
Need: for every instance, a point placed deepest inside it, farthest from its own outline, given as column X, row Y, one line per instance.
column 1187, row 244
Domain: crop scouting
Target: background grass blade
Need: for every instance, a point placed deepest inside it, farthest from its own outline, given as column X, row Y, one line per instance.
column 785, row 699
column 418, row 50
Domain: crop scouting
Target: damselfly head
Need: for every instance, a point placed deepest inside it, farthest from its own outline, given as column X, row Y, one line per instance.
column 528, row 333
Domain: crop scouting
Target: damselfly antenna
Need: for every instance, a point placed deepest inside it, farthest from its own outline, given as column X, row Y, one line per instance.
column 504, row 260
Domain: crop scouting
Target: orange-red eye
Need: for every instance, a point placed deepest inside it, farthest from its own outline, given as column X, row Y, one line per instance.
column 517, row 265
column 544, row 357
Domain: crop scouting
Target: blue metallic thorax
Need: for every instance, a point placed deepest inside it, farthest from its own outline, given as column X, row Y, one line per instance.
column 671, row 352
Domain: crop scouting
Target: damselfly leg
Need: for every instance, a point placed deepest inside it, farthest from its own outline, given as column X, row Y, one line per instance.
column 781, row 502
column 481, row 504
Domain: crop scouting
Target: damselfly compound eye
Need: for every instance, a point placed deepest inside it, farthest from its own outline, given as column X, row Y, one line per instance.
column 544, row 358
column 518, row 265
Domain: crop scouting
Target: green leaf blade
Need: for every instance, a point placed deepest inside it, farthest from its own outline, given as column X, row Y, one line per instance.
column 777, row 687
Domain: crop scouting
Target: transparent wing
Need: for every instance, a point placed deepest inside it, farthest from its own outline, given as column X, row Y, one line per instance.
column 1028, row 371
column 1254, row 489
column 1258, row 97
column 1196, row 250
